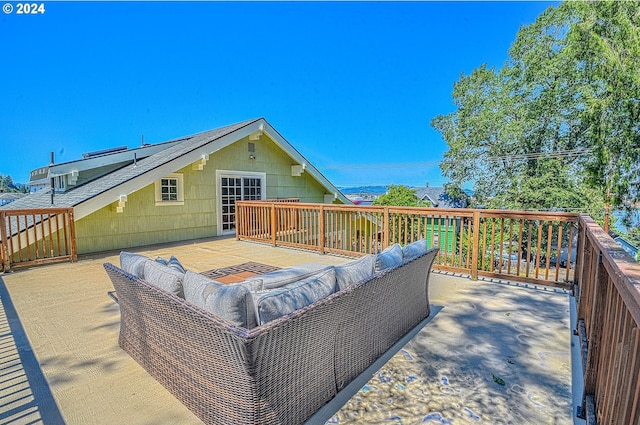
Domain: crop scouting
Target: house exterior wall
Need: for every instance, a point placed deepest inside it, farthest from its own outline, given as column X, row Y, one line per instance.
column 143, row 223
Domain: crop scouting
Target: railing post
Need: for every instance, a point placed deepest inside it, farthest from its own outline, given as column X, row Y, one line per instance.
column 321, row 229
column 387, row 228
column 274, row 229
column 72, row 230
column 474, row 246
column 4, row 249
column 594, row 333
column 577, row 272
column 240, row 222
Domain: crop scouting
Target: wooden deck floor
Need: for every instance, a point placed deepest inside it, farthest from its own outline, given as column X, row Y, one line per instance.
column 494, row 352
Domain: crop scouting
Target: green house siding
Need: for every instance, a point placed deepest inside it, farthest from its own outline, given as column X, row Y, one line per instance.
column 142, row 222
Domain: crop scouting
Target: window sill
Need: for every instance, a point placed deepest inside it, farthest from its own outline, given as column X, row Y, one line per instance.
column 168, row 203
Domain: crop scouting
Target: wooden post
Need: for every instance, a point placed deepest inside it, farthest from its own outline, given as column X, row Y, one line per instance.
column 4, row 250
column 577, row 273
column 321, row 229
column 387, row 228
column 274, row 224
column 594, row 333
column 474, row 246
column 72, row 230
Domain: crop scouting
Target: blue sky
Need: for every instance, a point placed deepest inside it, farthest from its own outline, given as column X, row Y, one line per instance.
column 349, row 84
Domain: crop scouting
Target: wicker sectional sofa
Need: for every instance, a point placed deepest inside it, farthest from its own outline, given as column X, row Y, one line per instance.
column 278, row 355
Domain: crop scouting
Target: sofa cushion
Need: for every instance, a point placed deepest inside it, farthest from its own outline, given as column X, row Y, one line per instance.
column 232, row 302
column 133, row 263
column 282, row 277
column 289, row 298
column 413, row 250
column 389, row 258
column 354, row 272
column 163, row 277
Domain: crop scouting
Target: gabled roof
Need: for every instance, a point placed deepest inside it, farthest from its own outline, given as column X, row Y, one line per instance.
column 105, row 190
column 439, row 198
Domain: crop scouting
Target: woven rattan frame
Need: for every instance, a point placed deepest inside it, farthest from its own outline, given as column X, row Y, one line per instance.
column 278, row 373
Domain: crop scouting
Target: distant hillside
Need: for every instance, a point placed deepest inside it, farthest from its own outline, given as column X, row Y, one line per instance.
column 377, row 190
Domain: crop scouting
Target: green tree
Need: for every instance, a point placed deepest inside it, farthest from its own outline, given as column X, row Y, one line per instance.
column 7, row 185
column 400, row 196
column 559, row 119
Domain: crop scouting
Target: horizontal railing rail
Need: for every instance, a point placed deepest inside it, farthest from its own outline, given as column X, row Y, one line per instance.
column 527, row 246
column 36, row 236
column 608, row 299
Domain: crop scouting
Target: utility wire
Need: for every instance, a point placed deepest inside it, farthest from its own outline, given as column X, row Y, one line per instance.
column 561, row 153
column 422, row 164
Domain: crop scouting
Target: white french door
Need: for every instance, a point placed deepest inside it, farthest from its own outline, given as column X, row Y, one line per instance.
column 236, row 186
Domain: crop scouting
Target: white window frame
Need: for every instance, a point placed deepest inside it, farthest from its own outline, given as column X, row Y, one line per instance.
column 220, row 174
column 179, row 178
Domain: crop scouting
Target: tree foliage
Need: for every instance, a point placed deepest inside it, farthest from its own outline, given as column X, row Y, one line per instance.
column 560, row 121
column 400, row 196
column 7, row 185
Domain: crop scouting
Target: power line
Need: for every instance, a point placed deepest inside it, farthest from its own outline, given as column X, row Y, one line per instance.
column 422, row 164
column 536, row 155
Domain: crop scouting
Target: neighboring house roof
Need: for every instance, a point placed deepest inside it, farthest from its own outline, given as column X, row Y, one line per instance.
column 93, row 160
column 439, row 198
column 6, row 198
column 107, row 189
column 626, row 245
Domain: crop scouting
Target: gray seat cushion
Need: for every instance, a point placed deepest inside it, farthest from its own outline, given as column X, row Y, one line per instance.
column 287, row 299
column 413, row 250
column 282, row 277
column 355, row 272
column 133, row 263
column 231, row 302
column 389, row 258
column 164, row 277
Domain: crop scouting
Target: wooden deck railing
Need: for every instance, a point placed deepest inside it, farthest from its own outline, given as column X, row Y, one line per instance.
column 549, row 248
column 36, row 236
column 533, row 247
column 608, row 299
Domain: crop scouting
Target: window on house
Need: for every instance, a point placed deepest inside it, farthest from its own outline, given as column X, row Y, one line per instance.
column 58, row 184
column 169, row 190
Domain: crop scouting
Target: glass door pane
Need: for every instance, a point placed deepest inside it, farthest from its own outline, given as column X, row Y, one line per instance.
column 235, row 189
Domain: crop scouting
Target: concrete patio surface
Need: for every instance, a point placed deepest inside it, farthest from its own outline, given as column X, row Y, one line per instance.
column 494, row 353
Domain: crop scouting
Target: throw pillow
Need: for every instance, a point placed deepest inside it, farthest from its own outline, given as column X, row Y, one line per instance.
column 176, row 265
column 355, row 272
column 164, row 278
column 133, row 263
column 389, row 258
column 413, row 250
column 230, row 302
